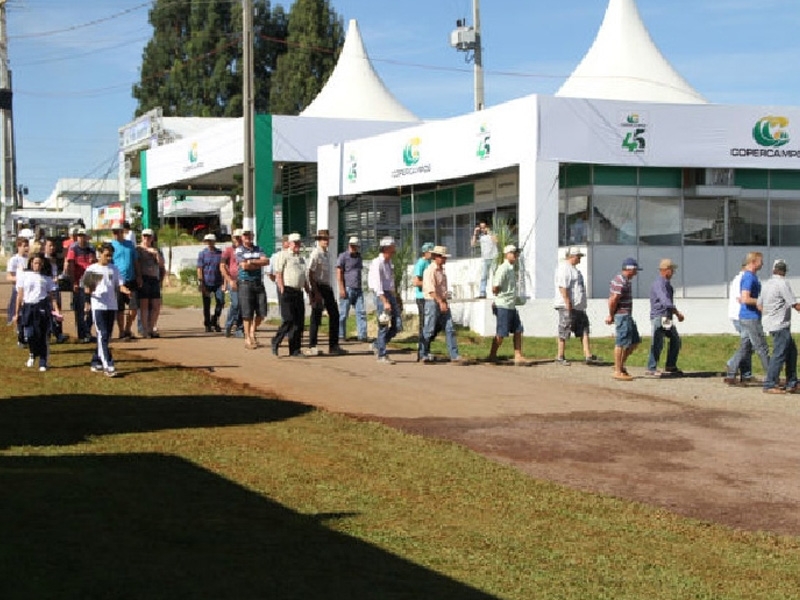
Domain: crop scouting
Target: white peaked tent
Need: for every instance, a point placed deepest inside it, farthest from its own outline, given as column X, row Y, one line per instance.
column 354, row 90
column 625, row 64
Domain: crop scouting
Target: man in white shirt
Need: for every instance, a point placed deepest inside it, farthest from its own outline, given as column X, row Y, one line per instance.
column 571, row 303
column 487, row 240
column 381, row 282
column 776, row 302
column 746, row 365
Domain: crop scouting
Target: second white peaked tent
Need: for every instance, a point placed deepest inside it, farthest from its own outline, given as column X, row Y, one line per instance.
column 354, row 90
column 625, row 64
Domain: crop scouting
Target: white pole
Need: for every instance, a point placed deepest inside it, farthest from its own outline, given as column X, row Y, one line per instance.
column 247, row 94
column 476, row 21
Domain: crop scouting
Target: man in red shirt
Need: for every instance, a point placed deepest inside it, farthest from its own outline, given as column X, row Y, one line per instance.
column 230, row 271
column 79, row 256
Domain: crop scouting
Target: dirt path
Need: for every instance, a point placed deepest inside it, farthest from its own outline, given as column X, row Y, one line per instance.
column 691, row 445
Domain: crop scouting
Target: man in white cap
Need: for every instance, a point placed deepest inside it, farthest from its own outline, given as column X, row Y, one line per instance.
column 571, row 303
column 291, row 276
column 662, row 311
column 776, row 302
column 381, row 282
column 72, row 239
column 423, row 262
column 349, row 269
column 127, row 263
column 230, row 271
column 437, row 308
column 504, row 288
column 322, row 298
column 209, row 277
column 620, row 314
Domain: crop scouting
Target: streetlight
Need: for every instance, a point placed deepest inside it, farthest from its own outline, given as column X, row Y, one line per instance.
column 468, row 39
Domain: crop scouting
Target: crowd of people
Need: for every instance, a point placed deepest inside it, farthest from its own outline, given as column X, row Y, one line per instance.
column 119, row 283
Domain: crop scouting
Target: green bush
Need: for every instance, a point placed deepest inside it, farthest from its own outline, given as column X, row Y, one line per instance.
column 188, row 276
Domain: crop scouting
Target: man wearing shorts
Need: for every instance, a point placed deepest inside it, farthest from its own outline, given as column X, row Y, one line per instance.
column 570, row 302
column 252, row 294
column 620, row 314
column 504, row 288
column 126, row 261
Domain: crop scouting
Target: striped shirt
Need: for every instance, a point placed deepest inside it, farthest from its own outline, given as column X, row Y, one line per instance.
column 621, row 286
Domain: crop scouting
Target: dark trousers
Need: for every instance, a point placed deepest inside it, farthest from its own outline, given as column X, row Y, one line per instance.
column 83, row 317
column 293, row 313
column 35, row 319
column 332, row 308
column 219, row 295
column 104, row 321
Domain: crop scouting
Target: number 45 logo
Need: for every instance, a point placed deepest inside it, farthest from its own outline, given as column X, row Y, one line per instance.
column 635, row 141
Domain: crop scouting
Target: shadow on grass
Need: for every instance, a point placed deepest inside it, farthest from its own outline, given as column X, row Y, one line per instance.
column 155, row 526
column 72, row 418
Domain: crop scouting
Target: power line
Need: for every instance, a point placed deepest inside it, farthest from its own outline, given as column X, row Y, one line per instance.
column 81, row 25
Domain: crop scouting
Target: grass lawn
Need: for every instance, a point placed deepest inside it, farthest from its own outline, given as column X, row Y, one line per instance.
column 169, row 483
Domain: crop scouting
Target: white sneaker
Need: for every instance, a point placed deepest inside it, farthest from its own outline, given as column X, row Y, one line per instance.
column 313, row 351
column 29, row 362
column 43, row 368
column 96, row 369
column 385, row 360
column 111, row 372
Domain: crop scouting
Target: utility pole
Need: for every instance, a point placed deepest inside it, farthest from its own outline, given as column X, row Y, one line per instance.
column 468, row 39
column 248, row 167
column 8, row 182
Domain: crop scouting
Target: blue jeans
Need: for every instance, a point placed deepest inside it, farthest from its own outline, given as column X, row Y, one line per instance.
column 746, row 365
column 234, row 315
column 436, row 320
column 386, row 333
column 659, row 333
column 355, row 297
column 486, row 269
column 784, row 351
column 752, row 340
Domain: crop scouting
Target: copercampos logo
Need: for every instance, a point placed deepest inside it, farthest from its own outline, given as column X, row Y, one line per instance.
column 194, row 158
column 771, row 132
column 193, row 153
column 411, row 152
column 352, row 171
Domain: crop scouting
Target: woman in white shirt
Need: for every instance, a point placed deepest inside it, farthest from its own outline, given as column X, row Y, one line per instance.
column 35, row 307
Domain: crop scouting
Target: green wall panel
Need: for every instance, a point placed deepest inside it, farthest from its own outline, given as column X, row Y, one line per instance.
column 751, row 179
column 465, row 195
column 660, row 178
column 607, row 175
column 784, row 180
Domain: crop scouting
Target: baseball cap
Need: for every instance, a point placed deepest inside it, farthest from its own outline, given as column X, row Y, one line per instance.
column 779, row 265
column 147, row 232
column 81, row 231
column 574, row 251
column 630, row 263
column 294, row 237
column 116, row 226
column 427, row 247
column 387, row 241
column 209, row 237
column 237, row 233
column 25, row 233
column 510, row 248
column 667, row 263
column 247, row 231
column 353, row 241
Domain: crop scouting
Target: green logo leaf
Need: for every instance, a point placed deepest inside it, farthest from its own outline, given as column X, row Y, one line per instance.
column 771, row 132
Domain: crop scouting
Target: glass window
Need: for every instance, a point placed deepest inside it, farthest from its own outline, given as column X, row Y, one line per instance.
column 577, row 220
column 785, row 222
column 445, row 232
column 563, row 219
column 703, row 221
column 614, row 220
column 425, row 232
column 659, row 221
column 747, row 222
column 464, row 228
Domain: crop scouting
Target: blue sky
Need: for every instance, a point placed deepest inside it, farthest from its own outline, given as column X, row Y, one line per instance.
column 73, row 66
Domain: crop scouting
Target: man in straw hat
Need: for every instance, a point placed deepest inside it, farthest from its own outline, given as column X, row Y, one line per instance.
column 662, row 313
column 349, row 268
column 322, row 298
column 437, row 308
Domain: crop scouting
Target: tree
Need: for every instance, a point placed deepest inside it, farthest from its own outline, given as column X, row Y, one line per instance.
column 192, row 66
column 315, row 38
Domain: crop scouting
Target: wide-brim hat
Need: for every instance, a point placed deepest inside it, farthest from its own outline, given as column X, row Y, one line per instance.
column 574, row 251
column 323, row 234
column 667, row 264
column 440, row 251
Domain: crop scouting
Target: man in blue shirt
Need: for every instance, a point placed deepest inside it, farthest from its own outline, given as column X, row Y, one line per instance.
column 753, row 338
column 209, row 276
column 662, row 310
column 349, row 269
column 419, row 270
column 125, row 260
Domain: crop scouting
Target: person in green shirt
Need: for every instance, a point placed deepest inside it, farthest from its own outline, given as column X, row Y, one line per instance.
column 504, row 288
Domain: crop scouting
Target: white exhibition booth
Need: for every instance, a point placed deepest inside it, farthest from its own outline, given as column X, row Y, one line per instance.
column 539, row 135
